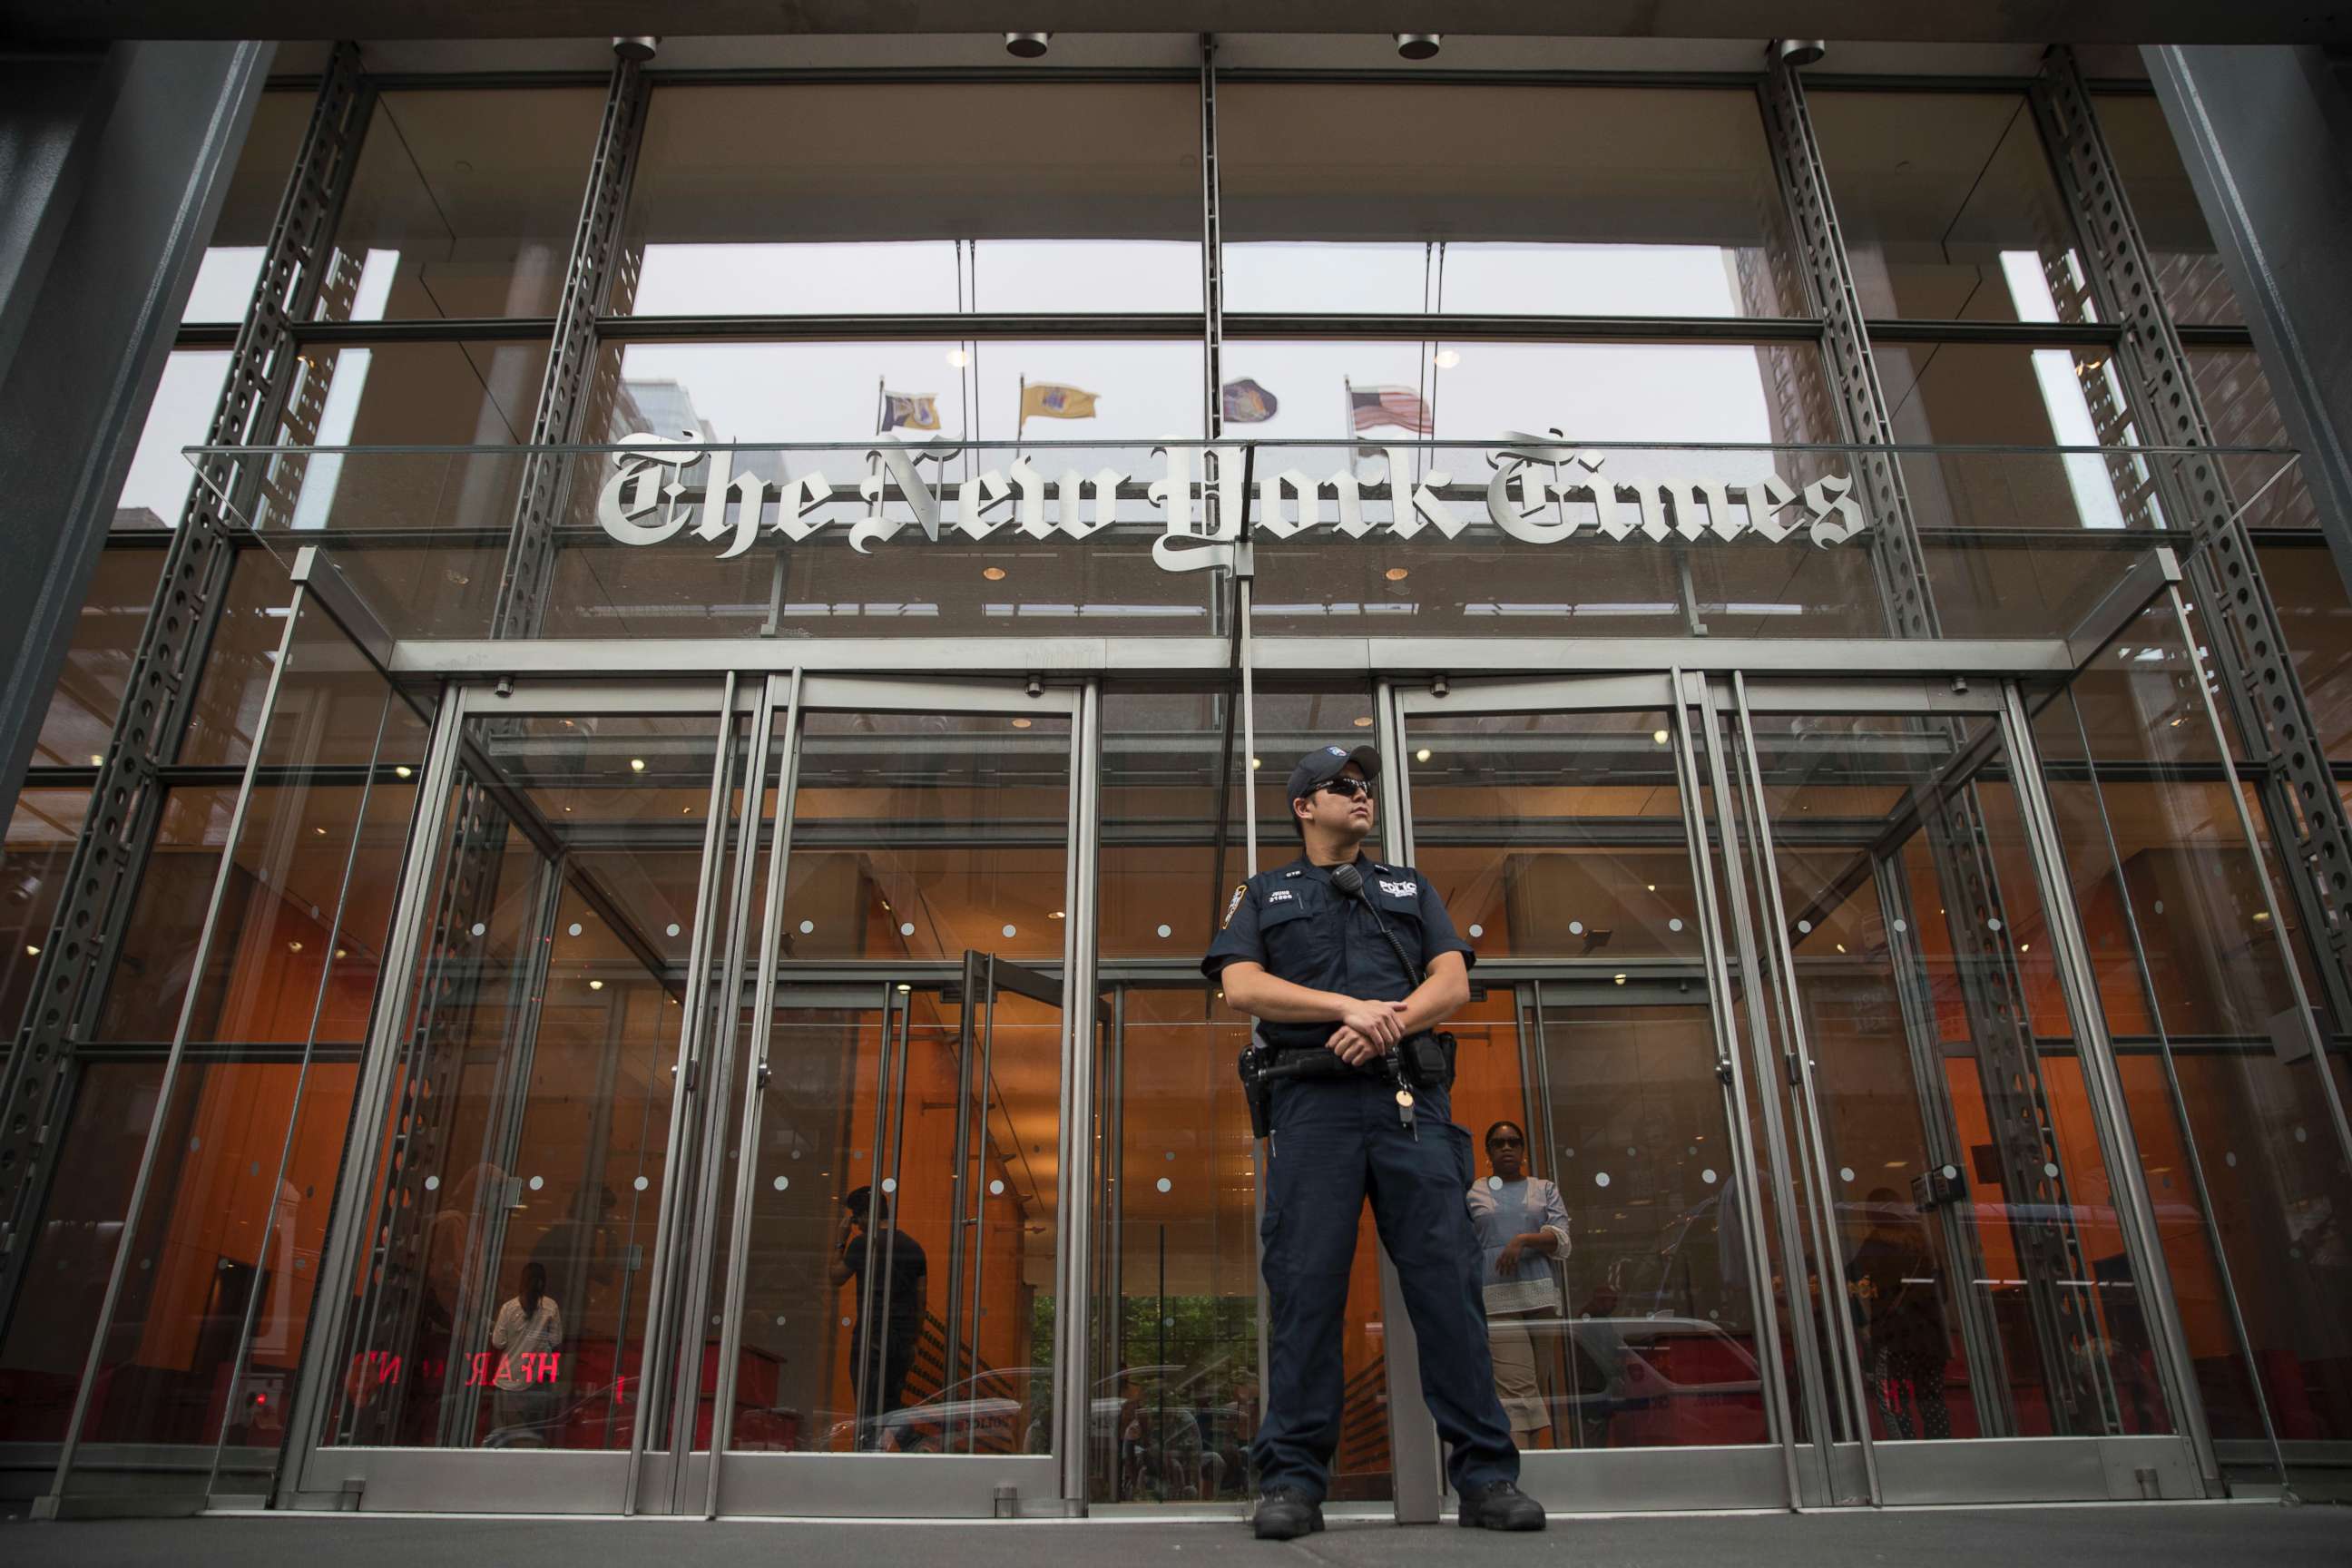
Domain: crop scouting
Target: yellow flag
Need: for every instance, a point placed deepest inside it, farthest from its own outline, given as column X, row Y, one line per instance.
column 1043, row 400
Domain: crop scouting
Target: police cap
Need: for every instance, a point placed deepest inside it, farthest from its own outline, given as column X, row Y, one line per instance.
column 1323, row 764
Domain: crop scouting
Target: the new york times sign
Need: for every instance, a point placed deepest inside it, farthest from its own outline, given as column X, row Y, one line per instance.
column 1539, row 493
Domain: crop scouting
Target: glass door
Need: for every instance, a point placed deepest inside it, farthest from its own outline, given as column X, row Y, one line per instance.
column 882, row 1222
column 1979, row 1281
column 506, row 1199
column 1569, row 827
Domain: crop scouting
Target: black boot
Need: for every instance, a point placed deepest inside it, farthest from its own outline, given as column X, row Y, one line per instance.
column 1285, row 1514
column 1501, row 1505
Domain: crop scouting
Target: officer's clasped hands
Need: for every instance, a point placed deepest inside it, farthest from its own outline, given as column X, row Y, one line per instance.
column 1367, row 1030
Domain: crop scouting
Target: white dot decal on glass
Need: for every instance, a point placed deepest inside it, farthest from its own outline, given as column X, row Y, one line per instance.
column 1569, row 1153
column 1576, row 928
column 1993, row 925
column 672, row 928
column 906, row 928
column 480, row 927
column 783, row 1183
column 1164, row 1185
column 1166, row 931
column 807, row 927
column 2050, row 1169
column 1675, row 924
column 1169, row 1156
column 573, row 928
column 196, row 1142
column 1476, row 930
column 779, row 1320
column 2159, row 906
column 1601, row 1178
column 432, row 1184
column 889, row 1184
column 1901, row 926
column 845, row 1322
column 1845, row 1172
column 1494, row 1182
column 640, row 1183
column 1010, row 931
column 996, row 1189
column 1707, row 1175
column 2231, row 1159
column 2301, row 1136
column 1805, row 927
column 537, row 1183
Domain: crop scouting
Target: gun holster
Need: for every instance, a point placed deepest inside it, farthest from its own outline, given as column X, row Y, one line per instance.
column 1426, row 1060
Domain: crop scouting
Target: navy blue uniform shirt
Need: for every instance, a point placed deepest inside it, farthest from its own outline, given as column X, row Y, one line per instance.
column 1300, row 928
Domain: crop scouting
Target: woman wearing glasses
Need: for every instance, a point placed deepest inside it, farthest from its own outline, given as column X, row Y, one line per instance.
column 1522, row 1227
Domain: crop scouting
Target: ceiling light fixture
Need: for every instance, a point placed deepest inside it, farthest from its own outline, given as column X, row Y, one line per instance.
column 1419, row 46
column 1658, row 737
column 405, row 771
column 595, row 985
column 1422, row 755
column 637, row 765
column 1023, row 724
column 1445, row 359
column 1397, row 574
column 959, row 358
column 993, row 573
column 1363, row 721
column 1028, row 45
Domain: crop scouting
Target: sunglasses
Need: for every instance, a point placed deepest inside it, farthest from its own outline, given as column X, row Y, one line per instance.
column 1348, row 787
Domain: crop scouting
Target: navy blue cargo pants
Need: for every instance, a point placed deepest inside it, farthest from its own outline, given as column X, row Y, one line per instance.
column 1337, row 1140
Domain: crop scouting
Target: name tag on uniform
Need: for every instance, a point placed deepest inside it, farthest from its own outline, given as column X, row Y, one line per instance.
column 1279, row 895
column 1401, row 890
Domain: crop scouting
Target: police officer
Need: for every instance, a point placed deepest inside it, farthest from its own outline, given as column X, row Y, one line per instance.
column 1308, row 961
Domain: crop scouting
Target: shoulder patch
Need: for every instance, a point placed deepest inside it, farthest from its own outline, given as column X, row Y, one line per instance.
column 1236, row 902
column 1288, row 875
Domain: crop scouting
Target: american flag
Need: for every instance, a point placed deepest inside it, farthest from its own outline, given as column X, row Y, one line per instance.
column 1398, row 405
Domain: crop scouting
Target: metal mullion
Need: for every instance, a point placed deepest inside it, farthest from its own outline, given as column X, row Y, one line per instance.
column 47, row 1505
column 660, row 1288
column 725, row 1005
column 755, row 1081
column 897, row 1007
column 1768, row 1106
column 972, row 327
column 2173, row 1090
column 976, row 997
column 1073, row 1402
column 2103, row 1091
column 1311, row 326
column 1745, row 1178
column 1813, row 1133
column 980, row 1187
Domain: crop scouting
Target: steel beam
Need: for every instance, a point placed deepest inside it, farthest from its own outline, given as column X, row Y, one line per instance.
column 103, row 875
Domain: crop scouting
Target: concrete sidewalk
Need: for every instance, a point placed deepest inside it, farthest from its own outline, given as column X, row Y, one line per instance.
column 2139, row 1535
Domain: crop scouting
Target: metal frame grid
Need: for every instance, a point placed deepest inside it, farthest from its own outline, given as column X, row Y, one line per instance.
column 111, row 854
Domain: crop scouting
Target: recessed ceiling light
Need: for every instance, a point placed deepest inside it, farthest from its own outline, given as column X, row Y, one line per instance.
column 293, row 947
column 993, row 573
column 96, row 760
column 637, row 765
column 34, row 950
column 1618, row 978
column 405, row 771
column 1363, row 721
column 1397, row 574
column 1419, row 46
column 595, row 985
column 1257, row 763
column 1057, row 915
column 1422, row 755
column 1659, row 736
column 959, row 357
column 1445, row 359
column 1028, row 45
column 1023, row 724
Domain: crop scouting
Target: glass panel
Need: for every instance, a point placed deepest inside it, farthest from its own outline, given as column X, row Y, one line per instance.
column 463, row 205
column 522, row 1174
column 1981, row 1251
column 1486, row 391
column 1522, row 201
column 1660, row 1346
column 2235, row 397
column 2189, row 271
column 1176, row 1399
column 155, row 491
column 1950, row 210
column 833, row 392
column 73, row 1250
column 207, row 1332
column 761, row 200
column 82, row 710
column 2222, row 1074
column 42, row 830
column 257, row 185
column 2316, row 617
column 1166, row 873
column 1556, row 835
column 924, row 836
column 236, row 672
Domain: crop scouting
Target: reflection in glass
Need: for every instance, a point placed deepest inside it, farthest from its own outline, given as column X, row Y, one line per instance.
column 2189, row 271
column 223, row 290
column 1937, row 192
column 1988, row 1287
column 2221, row 1068
column 2315, row 614
column 526, row 1160
column 155, row 490
column 463, row 205
column 1610, row 201
column 783, row 200
column 2239, row 408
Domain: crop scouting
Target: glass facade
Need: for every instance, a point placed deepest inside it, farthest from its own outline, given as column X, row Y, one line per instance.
column 660, row 966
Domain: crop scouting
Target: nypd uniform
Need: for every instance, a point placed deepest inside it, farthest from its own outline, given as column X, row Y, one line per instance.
column 1336, row 1140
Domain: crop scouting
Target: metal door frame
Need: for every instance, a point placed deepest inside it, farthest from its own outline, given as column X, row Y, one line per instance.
column 1762, row 1475
column 720, row 1481
column 462, row 1480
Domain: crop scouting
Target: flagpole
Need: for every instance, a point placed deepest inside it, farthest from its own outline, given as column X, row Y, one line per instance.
column 1021, row 418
